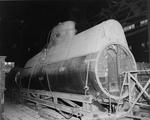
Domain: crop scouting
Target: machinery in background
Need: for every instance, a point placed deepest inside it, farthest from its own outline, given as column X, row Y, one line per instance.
column 5, row 67
column 91, row 75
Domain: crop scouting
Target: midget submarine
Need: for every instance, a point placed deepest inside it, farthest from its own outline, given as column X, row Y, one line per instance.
column 90, row 62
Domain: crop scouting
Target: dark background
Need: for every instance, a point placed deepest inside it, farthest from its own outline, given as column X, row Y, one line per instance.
column 24, row 26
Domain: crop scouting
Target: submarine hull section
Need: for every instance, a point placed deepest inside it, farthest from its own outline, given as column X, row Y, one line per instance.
column 98, row 74
column 69, row 76
column 91, row 62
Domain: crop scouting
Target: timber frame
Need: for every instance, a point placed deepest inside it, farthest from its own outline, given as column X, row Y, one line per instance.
column 75, row 105
column 70, row 103
column 137, row 102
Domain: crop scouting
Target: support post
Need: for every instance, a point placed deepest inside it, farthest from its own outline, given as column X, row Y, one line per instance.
column 4, row 68
column 2, row 85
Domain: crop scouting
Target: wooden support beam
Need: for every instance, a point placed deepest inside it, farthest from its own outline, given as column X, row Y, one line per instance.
column 70, row 96
column 143, row 89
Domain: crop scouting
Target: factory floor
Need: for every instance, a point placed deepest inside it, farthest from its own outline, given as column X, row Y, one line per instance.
column 15, row 111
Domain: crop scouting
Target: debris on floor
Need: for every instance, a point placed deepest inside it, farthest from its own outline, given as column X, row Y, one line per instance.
column 20, row 112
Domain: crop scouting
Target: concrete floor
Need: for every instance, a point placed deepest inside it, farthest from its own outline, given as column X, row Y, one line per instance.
column 14, row 111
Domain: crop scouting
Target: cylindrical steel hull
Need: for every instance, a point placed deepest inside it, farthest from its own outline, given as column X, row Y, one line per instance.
column 94, row 59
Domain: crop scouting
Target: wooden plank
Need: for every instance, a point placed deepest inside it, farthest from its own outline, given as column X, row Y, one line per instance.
column 58, row 106
column 69, row 96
